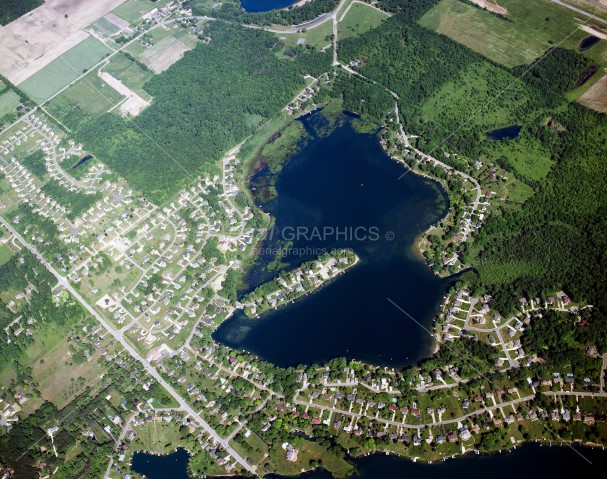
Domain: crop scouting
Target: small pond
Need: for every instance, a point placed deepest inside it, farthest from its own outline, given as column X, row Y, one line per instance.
column 587, row 42
column 506, row 133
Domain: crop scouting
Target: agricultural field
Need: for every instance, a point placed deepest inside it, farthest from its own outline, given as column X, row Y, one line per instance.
column 133, row 10
column 534, row 28
column 64, row 70
column 162, row 55
column 168, row 46
column 359, row 19
column 596, row 96
column 105, row 27
column 9, row 100
column 86, row 99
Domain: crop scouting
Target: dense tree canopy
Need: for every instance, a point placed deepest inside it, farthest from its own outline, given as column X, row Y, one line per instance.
column 12, row 9
column 203, row 105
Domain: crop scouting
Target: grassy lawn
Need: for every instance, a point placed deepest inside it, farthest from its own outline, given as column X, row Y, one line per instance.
column 318, row 37
column 359, row 19
column 6, row 253
column 8, row 102
column 516, row 191
column 535, row 27
column 48, row 358
column 65, row 69
column 306, row 452
column 525, row 156
column 158, row 437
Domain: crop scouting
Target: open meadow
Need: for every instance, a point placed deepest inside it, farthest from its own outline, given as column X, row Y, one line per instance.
column 9, row 100
column 359, row 18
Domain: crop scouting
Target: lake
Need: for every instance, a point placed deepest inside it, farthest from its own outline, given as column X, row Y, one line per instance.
column 506, row 133
column 531, row 461
column 265, row 5
column 344, row 182
column 170, row 466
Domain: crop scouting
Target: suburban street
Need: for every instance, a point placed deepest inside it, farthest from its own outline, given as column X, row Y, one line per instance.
column 118, row 335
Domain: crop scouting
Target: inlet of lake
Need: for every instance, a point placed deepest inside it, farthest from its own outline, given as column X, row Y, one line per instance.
column 265, row 5
column 531, row 461
column 379, row 311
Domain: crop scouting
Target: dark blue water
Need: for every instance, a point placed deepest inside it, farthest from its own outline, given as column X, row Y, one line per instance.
column 528, row 462
column 587, row 42
column 507, row 133
column 83, row 160
column 531, row 461
column 265, row 5
column 171, row 466
column 347, row 183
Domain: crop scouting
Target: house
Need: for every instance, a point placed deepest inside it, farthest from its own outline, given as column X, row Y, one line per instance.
column 291, row 452
column 465, row 433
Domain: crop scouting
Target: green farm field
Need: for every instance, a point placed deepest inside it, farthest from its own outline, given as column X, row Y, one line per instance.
column 64, row 70
column 86, row 99
column 105, row 27
column 134, row 9
column 9, row 100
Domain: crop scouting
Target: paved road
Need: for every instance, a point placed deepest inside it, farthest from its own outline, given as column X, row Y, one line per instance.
column 576, row 393
column 579, row 10
column 118, row 335
column 419, row 426
column 325, row 17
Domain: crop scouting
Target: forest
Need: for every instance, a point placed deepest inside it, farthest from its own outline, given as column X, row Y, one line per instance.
column 561, row 340
column 557, row 240
column 559, row 237
column 211, row 100
column 12, row 9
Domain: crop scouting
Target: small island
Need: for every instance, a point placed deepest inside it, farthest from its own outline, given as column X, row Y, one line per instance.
column 289, row 286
